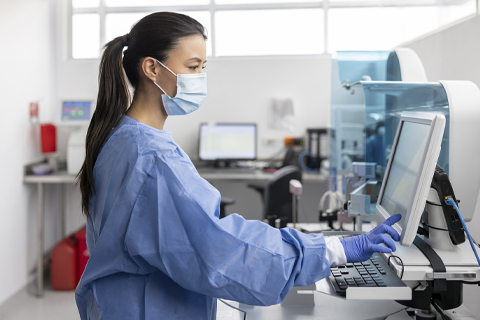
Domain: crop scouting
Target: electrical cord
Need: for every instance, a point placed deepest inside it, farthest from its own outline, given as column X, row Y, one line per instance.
column 427, row 225
column 272, row 157
column 478, row 245
column 443, row 315
column 401, row 262
column 303, row 165
column 433, row 204
column 244, row 312
column 450, row 201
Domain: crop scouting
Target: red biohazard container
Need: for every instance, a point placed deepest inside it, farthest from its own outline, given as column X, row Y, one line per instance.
column 64, row 265
column 82, row 252
column 48, row 135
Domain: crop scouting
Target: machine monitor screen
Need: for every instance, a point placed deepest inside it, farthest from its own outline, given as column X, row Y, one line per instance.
column 410, row 171
column 223, row 141
column 73, row 111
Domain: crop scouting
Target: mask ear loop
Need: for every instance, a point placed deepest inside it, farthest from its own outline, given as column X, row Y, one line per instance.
column 168, row 70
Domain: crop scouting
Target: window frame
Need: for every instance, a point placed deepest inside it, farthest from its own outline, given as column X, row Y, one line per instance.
column 212, row 7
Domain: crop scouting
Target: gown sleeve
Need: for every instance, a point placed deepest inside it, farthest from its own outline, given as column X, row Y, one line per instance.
column 174, row 228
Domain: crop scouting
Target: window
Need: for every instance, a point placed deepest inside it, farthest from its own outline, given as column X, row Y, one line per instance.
column 272, row 27
column 118, row 24
column 269, row 32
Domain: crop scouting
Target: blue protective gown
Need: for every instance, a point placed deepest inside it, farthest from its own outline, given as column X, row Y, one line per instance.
column 159, row 251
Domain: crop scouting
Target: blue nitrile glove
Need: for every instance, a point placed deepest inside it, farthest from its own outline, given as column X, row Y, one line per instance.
column 360, row 248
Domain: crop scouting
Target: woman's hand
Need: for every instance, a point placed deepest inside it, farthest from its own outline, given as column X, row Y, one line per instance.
column 360, row 248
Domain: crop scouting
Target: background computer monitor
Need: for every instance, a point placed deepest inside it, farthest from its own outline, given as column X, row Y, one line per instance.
column 228, row 141
column 410, row 170
column 75, row 112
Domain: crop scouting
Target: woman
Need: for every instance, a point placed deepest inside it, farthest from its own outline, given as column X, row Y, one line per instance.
column 157, row 248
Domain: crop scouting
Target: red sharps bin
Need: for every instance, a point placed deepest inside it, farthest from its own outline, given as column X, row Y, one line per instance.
column 64, row 265
column 69, row 259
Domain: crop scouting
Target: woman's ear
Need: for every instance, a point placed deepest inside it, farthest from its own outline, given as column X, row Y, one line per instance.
column 149, row 68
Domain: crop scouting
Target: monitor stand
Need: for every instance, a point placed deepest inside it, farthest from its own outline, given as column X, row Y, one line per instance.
column 224, row 163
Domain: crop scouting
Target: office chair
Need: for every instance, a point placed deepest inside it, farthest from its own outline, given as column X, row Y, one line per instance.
column 289, row 159
column 223, row 203
column 276, row 197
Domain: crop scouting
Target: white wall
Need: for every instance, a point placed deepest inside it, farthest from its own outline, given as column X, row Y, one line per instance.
column 240, row 90
column 453, row 54
column 26, row 75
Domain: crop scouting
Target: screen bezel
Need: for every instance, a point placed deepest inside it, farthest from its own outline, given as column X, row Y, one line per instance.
column 227, row 124
column 423, row 181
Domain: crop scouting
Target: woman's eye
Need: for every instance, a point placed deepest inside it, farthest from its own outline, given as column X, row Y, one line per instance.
column 193, row 68
column 204, row 66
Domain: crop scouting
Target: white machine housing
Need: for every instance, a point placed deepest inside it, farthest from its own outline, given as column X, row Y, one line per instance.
column 464, row 173
column 76, row 150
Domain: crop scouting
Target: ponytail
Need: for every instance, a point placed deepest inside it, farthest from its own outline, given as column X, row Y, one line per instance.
column 112, row 102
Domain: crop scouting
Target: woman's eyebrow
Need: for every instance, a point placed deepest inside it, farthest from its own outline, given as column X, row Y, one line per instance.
column 197, row 60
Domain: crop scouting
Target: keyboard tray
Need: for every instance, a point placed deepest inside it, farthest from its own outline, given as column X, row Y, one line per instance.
column 369, row 280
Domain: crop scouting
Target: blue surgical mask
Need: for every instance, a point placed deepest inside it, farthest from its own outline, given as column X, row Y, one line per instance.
column 191, row 91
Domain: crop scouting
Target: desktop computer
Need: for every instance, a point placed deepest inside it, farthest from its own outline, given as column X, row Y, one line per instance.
column 77, row 114
column 404, row 190
column 227, row 142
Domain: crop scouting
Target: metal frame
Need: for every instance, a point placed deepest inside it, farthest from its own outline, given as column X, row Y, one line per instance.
column 212, row 7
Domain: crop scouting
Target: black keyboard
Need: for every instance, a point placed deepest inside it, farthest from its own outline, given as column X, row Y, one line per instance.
column 371, row 273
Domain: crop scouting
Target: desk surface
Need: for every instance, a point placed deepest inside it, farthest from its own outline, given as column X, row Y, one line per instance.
column 57, row 177
column 237, row 174
column 207, row 174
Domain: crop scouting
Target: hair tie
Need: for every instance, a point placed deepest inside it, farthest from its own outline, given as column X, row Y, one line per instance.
column 125, row 40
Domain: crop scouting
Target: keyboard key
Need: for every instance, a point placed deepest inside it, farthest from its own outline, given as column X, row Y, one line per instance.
column 341, row 267
column 349, row 265
column 363, row 273
column 360, row 282
column 337, row 275
column 370, row 285
column 366, row 263
column 376, row 276
column 343, row 287
column 357, row 264
column 372, row 272
column 363, row 285
column 344, row 271
column 382, row 271
column 357, row 278
column 367, row 278
column 369, row 281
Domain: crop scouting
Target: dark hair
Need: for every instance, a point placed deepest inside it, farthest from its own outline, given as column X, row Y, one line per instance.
column 155, row 35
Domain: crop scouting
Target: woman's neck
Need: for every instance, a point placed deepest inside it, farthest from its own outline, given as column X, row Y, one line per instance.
column 147, row 107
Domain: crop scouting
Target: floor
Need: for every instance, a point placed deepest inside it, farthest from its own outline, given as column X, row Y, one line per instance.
column 55, row 305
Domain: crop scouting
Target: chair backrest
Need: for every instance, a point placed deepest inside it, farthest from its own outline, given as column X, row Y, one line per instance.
column 277, row 197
